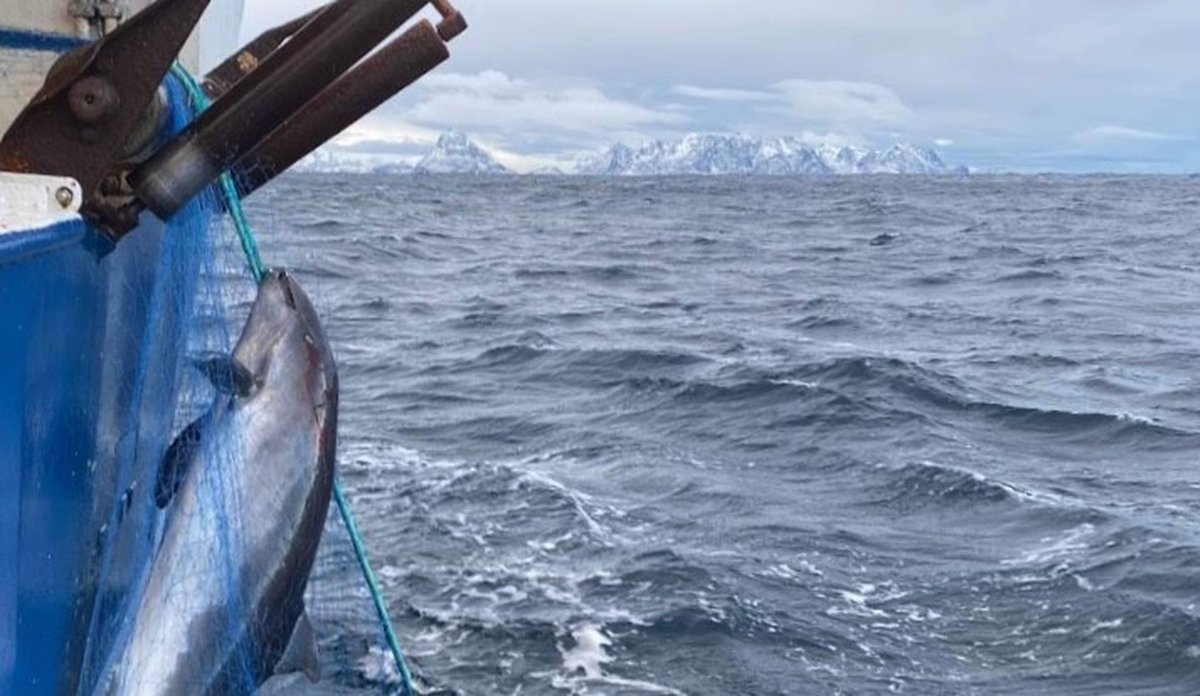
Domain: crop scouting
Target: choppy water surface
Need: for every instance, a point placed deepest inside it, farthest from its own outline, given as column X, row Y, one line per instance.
column 768, row 436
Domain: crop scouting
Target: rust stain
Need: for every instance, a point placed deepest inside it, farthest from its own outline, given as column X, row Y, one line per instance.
column 247, row 61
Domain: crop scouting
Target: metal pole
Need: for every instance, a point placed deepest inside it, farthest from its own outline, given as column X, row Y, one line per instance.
column 318, row 54
column 354, row 95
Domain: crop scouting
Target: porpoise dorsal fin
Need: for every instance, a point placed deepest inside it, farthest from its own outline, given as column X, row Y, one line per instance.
column 226, row 374
column 301, row 652
column 177, row 460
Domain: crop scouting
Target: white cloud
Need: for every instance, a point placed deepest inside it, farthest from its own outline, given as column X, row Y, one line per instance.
column 943, row 142
column 831, row 138
column 394, row 132
column 844, row 103
column 724, row 94
column 847, row 112
column 839, row 105
column 491, row 101
column 1109, row 134
column 832, row 103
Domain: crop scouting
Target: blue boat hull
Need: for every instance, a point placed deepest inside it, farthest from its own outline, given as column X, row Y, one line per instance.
column 84, row 391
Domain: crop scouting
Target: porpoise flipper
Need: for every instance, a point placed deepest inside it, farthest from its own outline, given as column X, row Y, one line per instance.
column 177, row 460
column 300, row 655
column 227, row 375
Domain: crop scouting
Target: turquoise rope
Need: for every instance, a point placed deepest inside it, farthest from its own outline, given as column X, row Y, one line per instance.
column 233, row 202
column 228, row 189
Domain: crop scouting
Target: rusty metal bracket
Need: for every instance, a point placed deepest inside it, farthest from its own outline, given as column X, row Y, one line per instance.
column 79, row 123
column 452, row 24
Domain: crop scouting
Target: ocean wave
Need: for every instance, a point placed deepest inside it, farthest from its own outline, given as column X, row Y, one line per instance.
column 1057, row 615
column 949, row 393
column 566, row 362
column 322, row 224
column 765, row 390
column 922, row 484
column 539, row 273
column 1030, row 276
column 935, row 279
column 1097, row 426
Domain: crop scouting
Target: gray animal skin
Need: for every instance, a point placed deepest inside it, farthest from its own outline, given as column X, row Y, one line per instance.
column 248, row 486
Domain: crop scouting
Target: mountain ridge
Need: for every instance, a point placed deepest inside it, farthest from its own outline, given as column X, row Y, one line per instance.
column 725, row 154
column 703, row 154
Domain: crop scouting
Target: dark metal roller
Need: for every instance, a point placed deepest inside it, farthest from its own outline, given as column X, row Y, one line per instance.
column 328, row 45
column 372, row 82
column 248, row 57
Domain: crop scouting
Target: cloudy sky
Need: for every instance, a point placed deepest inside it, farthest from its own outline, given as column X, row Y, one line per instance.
column 1026, row 85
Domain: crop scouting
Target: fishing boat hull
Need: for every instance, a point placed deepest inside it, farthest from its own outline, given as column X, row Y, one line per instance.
column 85, row 381
column 77, row 400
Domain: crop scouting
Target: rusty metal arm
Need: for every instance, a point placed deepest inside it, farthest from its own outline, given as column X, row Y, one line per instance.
column 357, row 93
column 350, row 97
column 319, row 53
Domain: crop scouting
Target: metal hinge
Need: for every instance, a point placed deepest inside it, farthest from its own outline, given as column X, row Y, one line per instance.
column 102, row 16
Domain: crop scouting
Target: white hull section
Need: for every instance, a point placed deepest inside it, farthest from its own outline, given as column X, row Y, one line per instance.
column 32, row 201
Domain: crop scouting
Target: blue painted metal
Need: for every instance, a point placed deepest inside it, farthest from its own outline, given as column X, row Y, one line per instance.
column 47, row 437
column 89, row 365
column 71, row 332
column 28, row 40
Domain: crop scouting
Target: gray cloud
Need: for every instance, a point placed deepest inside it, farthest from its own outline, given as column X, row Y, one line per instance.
column 493, row 100
column 1105, row 134
column 839, row 103
column 724, row 94
column 1014, row 83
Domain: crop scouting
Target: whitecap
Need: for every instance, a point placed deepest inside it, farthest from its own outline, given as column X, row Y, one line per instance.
column 589, row 653
column 583, row 665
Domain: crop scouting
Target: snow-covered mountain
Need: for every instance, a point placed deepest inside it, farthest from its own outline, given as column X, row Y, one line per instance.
column 614, row 161
column 900, row 158
column 706, row 154
column 455, row 153
column 741, row 154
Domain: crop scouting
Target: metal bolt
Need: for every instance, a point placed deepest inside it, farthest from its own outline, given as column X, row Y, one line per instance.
column 93, row 100
column 65, row 196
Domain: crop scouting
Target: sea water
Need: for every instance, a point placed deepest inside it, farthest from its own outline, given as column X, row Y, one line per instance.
column 764, row 436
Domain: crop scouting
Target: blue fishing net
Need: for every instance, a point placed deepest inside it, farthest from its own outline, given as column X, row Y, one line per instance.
column 193, row 304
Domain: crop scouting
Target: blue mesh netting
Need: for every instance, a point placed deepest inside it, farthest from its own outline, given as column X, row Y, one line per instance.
column 194, row 305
